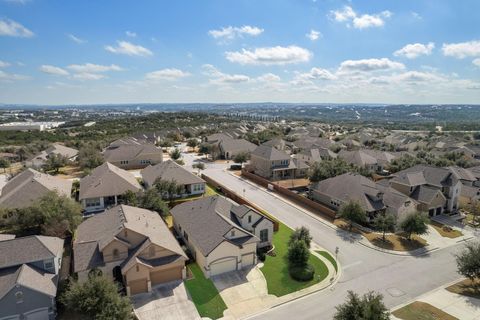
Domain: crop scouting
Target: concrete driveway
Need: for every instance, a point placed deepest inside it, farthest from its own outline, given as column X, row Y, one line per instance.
column 165, row 302
column 244, row 292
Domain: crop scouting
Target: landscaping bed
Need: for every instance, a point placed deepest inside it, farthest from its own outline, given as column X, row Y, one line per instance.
column 204, row 294
column 275, row 269
column 445, row 231
column 467, row 288
column 422, row 311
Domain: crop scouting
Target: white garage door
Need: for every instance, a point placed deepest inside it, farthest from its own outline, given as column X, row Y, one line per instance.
column 248, row 260
column 223, row 266
column 37, row 315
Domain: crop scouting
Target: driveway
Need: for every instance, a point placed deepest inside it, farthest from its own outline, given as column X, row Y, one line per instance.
column 244, row 292
column 166, row 301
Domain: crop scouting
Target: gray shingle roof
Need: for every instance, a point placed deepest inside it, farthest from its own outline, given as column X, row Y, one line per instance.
column 130, row 152
column 169, row 170
column 29, row 186
column 30, row 277
column 270, row 153
column 425, row 194
column 237, row 145
column 107, row 180
column 423, row 174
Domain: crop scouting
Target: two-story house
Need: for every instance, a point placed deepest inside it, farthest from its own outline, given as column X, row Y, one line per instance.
column 29, row 269
column 273, row 164
column 222, row 235
column 130, row 245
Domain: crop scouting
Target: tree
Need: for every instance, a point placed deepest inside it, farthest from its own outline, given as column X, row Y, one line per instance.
column 205, row 148
column 150, row 200
column 468, row 262
column 301, row 234
column 298, row 254
column 353, row 212
column 368, row 307
column 241, row 157
column 54, row 162
column 384, row 223
column 175, row 154
column 415, row 223
column 4, row 164
column 168, row 188
column 89, row 157
column 474, row 209
column 192, row 143
column 327, row 169
column 97, row 298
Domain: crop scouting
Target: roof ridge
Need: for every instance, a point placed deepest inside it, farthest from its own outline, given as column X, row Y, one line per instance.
column 43, row 244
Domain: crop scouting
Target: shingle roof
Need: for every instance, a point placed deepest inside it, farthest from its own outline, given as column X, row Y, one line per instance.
column 27, row 276
column 22, row 250
column 425, row 194
column 129, row 151
column 207, row 221
column 237, row 145
column 422, row 174
column 463, row 174
column 107, row 180
column 358, row 158
column 169, row 170
column 392, row 198
column 29, row 186
column 270, row 153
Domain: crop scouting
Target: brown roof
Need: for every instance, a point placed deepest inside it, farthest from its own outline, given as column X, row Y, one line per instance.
column 270, row 153
column 107, row 180
column 30, row 277
column 130, row 151
column 169, row 170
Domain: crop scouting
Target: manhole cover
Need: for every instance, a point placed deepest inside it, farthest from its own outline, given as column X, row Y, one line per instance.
column 395, row 292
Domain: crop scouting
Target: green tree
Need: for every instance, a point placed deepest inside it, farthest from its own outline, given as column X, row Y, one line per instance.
column 468, row 261
column 298, row 254
column 241, row 157
column 4, row 164
column 415, row 223
column 353, row 212
column 152, row 200
column 327, row 169
column 385, row 223
column 168, row 189
column 89, row 157
column 474, row 210
column 368, row 307
column 303, row 234
column 97, row 298
column 192, row 143
column 54, row 162
column 204, row 148
column 175, row 154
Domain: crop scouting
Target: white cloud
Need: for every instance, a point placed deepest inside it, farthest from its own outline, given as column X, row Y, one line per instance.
column 125, row 47
column 223, row 78
column 14, row 29
column 93, row 68
column 347, row 14
column 230, row 33
column 367, row 65
column 414, row 50
column 270, row 55
column 167, row 74
column 462, row 49
column 130, row 34
column 416, row 15
column 53, row 70
column 315, row 74
column 22, row 2
column 268, row 77
column 417, row 76
column 88, row 76
column 4, row 64
column 476, row 62
column 76, row 39
column 9, row 77
column 313, row 35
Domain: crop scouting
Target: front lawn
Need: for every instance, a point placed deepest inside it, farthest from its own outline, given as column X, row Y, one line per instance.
column 275, row 269
column 466, row 288
column 421, row 311
column 445, row 231
column 204, row 294
column 329, row 257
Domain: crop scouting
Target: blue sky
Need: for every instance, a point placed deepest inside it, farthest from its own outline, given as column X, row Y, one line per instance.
column 87, row 52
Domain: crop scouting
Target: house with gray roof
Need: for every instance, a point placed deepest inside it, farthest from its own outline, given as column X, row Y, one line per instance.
column 133, row 155
column 29, row 269
column 57, row 149
column 104, row 187
column 172, row 171
column 222, row 235
column 29, row 186
column 130, row 245
column 273, row 164
column 229, row 148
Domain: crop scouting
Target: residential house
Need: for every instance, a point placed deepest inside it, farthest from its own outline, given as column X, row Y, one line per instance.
column 104, row 187
column 274, row 164
column 470, row 192
column 40, row 159
column 222, row 235
column 29, row 186
column 130, row 245
column 171, row 171
column 29, row 268
column 229, row 148
column 396, row 203
column 133, row 155
column 436, row 189
column 277, row 143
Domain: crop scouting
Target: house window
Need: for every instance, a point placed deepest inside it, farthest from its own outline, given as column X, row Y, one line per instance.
column 264, row 235
column 145, row 161
column 123, row 161
column 19, row 296
column 48, row 264
column 249, row 219
column 94, row 202
column 115, row 253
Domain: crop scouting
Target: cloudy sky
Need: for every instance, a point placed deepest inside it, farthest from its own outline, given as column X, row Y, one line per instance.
column 113, row 51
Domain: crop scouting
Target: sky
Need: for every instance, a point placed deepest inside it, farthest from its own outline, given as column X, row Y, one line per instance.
column 219, row 51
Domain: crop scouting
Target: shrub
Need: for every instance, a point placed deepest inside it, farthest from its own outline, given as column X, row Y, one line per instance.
column 300, row 273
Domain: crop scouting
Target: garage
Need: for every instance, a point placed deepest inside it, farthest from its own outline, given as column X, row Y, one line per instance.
column 223, row 266
column 248, row 260
column 41, row 314
column 166, row 275
column 138, row 286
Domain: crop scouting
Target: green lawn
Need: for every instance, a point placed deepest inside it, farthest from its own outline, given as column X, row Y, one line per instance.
column 329, row 257
column 209, row 191
column 205, row 296
column 275, row 269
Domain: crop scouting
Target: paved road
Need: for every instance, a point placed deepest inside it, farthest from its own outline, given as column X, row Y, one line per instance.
column 399, row 278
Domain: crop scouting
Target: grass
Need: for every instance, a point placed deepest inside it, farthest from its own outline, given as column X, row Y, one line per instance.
column 445, row 231
column 275, row 269
column 204, row 294
column 209, row 191
column 467, row 288
column 329, row 257
column 422, row 311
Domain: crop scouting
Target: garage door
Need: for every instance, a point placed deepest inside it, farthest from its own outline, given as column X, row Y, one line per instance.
column 166, row 275
column 223, row 266
column 138, row 286
column 37, row 315
column 248, row 260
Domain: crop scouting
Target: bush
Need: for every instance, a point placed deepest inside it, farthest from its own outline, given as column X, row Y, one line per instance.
column 261, row 255
column 300, row 273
